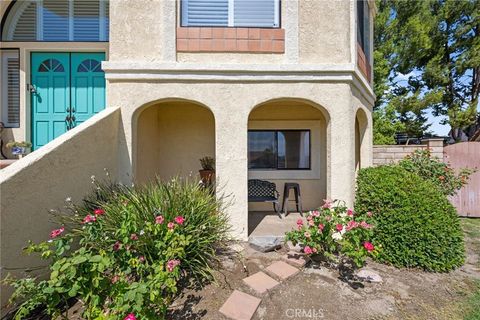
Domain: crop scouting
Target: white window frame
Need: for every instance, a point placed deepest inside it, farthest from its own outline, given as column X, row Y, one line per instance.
column 231, row 14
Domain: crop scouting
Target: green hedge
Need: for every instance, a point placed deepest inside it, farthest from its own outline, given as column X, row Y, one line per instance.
column 415, row 224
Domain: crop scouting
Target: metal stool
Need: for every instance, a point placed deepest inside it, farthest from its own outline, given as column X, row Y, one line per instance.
column 298, row 198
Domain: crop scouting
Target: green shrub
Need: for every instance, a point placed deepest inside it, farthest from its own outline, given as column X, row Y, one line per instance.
column 414, row 222
column 434, row 170
column 126, row 250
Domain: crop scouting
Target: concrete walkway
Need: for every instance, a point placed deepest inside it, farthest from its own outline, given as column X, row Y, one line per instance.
column 264, row 223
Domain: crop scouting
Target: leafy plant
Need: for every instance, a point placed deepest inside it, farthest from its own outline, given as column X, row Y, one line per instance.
column 126, row 250
column 21, row 144
column 335, row 230
column 414, row 222
column 439, row 173
column 207, row 163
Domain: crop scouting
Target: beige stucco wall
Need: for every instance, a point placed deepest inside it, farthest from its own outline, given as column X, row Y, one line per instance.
column 231, row 104
column 172, row 137
column 41, row 181
column 316, row 32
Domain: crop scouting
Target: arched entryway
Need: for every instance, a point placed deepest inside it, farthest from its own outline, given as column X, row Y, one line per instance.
column 171, row 137
column 361, row 125
column 287, row 143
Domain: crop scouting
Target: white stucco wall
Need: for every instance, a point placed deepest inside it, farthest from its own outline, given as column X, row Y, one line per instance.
column 42, row 180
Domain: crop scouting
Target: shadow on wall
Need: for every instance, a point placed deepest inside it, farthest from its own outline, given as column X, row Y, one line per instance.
column 43, row 179
column 171, row 137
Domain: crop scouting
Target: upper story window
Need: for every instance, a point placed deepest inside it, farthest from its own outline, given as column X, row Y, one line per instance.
column 57, row 20
column 231, row 13
column 363, row 27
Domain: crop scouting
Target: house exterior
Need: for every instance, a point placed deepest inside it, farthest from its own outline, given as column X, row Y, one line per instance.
column 273, row 90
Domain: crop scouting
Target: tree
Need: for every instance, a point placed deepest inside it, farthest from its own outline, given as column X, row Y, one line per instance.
column 429, row 59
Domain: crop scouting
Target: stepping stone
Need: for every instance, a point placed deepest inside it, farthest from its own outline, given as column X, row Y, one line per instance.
column 260, row 282
column 282, row 269
column 296, row 259
column 240, row 306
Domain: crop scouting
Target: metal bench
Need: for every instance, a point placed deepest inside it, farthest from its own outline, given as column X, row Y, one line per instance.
column 263, row 191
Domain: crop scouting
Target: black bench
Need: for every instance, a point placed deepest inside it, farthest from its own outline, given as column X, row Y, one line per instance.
column 263, row 191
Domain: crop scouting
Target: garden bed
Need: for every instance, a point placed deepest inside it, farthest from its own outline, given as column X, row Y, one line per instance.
column 403, row 294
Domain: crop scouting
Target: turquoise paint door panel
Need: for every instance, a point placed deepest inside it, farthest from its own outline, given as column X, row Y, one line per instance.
column 88, row 85
column 51, row 80
column 67, row 86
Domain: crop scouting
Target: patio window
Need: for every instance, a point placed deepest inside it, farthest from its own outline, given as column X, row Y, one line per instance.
column 231, row 13
column 279, row 149
column 10, row 88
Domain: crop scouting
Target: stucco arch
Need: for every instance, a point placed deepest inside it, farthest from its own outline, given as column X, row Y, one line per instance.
column 362, row 136
column 169, row 136
column 291, row 113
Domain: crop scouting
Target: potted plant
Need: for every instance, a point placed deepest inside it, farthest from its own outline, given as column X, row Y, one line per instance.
column 207, row 173
column 19, row 148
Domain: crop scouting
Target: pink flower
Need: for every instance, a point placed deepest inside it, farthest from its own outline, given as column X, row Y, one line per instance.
column 134, row 237
column 141, row 258
column 311, row 223
column 159, row 219
column 179, row 220
column 339, row 227
column 171, row 264
column 130, row 316
column 328, row 218
column 171, row 225
column 309, row 218
column 369, row 246
column 117, row 246
column 99, row 211
column 115, row 279
column 320, row 227
column 89, row 218
column 369, row 214
column 299, row 222
column 314, row 250
column 365, row 225
column 307, row 250
column 327, row 204
column 352, row 225
column 55, row 233
column 307, row 234
column 315, row 213
column 350, row 212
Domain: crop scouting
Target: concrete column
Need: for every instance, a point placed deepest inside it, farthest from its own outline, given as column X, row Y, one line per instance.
column 341, row 150
column 435, row 145
column 231, row 166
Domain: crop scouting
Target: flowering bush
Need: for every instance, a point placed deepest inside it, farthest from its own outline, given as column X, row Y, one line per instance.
column 335, row 230
column 124, row 251
column 439, row 173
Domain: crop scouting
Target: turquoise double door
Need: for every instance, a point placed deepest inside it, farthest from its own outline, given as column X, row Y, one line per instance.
column 66, row 89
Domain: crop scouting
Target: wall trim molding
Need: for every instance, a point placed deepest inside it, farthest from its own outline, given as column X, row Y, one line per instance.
column 185, row 72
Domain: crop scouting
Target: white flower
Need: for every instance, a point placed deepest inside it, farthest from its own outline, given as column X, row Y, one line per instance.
column 68, row 199
column 337, row 236
column 343, row 230
column 142, row 232
column 50, row 241
column 342, row 215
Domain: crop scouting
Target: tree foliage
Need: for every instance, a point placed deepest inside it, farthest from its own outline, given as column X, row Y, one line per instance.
column 428, row 60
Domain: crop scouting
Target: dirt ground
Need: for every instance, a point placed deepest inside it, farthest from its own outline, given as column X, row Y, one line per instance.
column 318, row 292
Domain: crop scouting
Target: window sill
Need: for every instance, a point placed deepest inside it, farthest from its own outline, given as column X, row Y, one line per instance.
column 239, row 40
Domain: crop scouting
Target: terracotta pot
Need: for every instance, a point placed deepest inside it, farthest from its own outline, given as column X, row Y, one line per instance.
column 207, row 176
